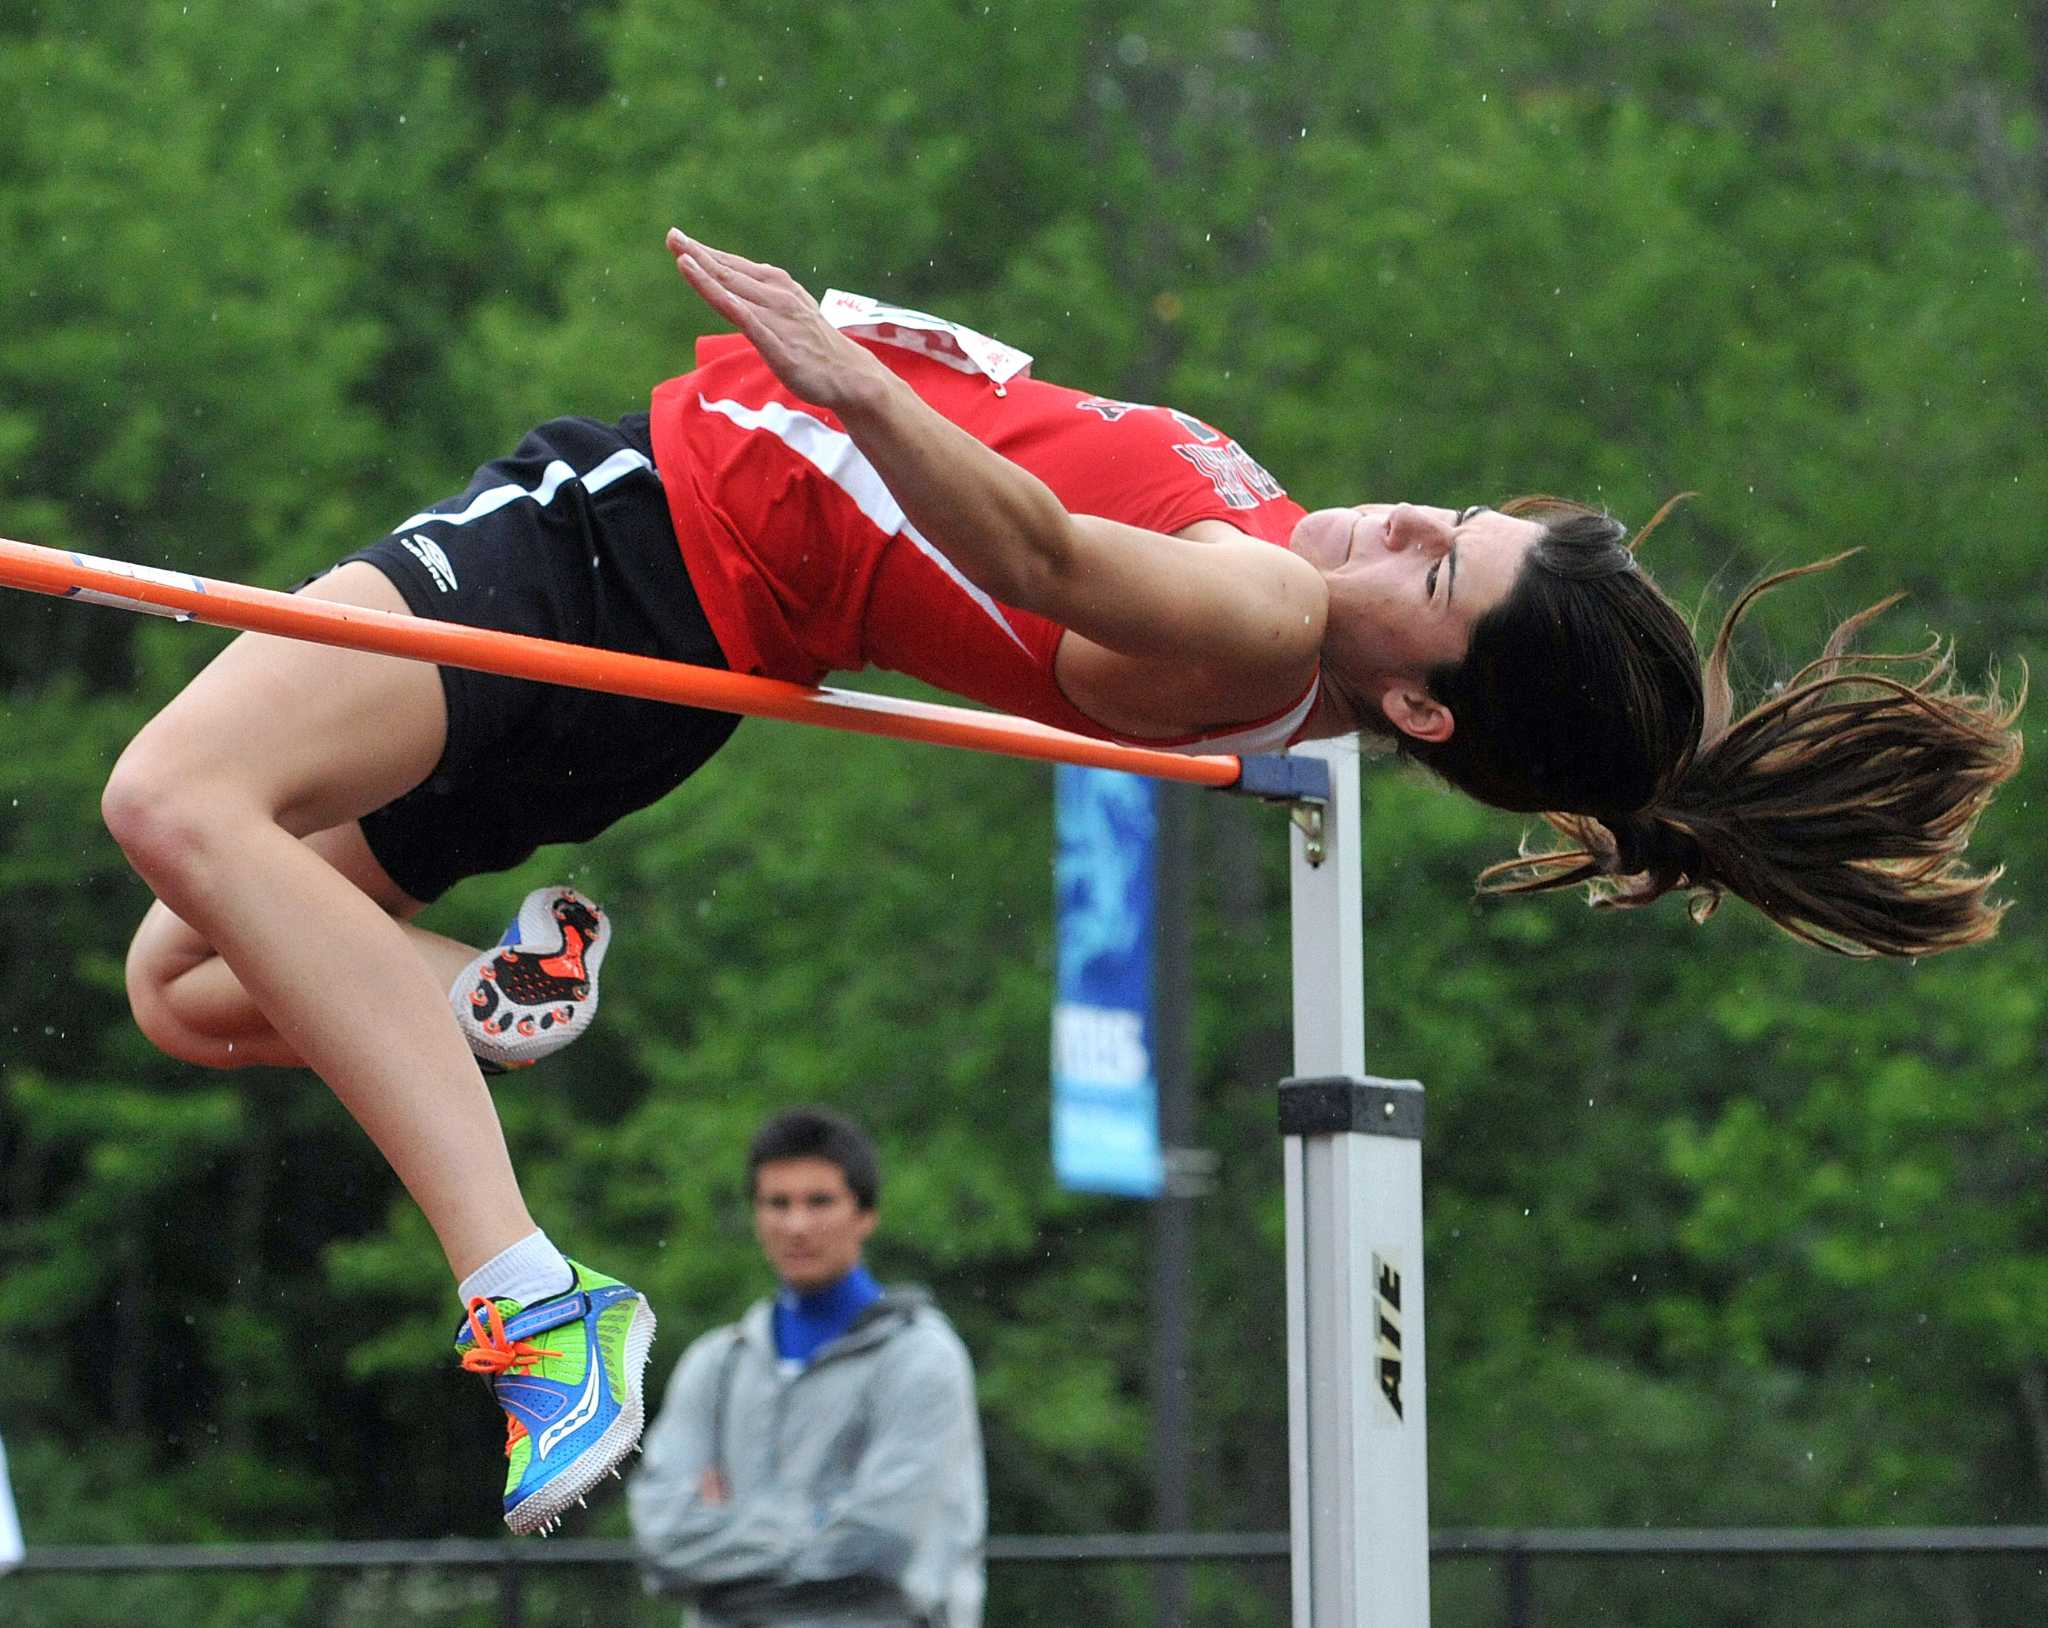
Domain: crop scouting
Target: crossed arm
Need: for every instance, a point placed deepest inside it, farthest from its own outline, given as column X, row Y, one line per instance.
column 697, row 1537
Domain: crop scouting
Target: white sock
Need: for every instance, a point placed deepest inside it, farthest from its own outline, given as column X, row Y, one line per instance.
column 532, row 1269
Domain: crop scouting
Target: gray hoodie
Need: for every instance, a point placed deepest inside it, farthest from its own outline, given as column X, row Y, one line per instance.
column 857, row 1498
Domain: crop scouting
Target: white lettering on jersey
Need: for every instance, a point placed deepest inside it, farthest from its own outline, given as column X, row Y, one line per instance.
column 1236, row 475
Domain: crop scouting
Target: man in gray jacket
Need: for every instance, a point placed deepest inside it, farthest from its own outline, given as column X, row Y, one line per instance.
column 818, row 1463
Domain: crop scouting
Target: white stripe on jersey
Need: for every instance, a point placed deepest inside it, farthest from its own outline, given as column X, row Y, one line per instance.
column 552, row 479
column 832, row 453
column 1266, row 737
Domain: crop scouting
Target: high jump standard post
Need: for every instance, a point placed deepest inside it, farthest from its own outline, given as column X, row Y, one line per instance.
column 1351, row 1144
column 1357, row 1446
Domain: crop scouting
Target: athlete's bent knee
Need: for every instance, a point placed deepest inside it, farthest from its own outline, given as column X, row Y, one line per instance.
column 149, row 1001
column 157, row 815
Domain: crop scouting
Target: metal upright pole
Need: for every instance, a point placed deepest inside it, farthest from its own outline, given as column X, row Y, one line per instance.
column 1353, row 1167
column 1174, row 1209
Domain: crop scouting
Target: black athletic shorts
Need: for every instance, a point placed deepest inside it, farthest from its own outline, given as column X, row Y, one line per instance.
column 569, row 538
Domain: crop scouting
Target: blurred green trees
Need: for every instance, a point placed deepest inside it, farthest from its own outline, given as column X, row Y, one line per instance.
column 1721, row 1230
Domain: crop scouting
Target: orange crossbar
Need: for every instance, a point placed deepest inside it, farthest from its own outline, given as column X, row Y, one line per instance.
column 448, row 644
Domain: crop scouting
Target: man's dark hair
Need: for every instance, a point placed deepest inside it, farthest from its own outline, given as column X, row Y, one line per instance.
column 819, row 1133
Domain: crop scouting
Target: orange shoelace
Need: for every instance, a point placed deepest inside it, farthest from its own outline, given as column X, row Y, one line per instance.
column 493, row 1354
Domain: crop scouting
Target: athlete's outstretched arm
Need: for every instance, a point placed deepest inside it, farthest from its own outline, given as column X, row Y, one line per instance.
column 1226, row 603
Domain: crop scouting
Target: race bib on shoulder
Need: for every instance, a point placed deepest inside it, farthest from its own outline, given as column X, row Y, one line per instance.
column 959, row 348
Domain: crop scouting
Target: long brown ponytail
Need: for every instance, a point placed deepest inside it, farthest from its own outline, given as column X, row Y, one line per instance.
column 1840, row 806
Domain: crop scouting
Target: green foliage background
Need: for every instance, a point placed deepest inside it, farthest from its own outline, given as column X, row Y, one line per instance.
column 1721, row 1231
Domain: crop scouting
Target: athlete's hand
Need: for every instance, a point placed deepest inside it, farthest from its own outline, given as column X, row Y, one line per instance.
column 810, row 356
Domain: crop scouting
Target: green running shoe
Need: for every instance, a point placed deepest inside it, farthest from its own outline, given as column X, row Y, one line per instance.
column 568, row 1371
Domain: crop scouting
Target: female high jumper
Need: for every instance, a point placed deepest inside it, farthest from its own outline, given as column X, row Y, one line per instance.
column 882, row 488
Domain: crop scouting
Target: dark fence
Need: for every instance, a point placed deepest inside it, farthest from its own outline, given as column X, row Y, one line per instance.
column 1538, row 1576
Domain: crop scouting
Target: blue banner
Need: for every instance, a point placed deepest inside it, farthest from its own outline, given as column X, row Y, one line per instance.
column 1105, row 1095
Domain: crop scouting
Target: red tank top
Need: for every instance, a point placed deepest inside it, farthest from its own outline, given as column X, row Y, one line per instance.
column 806, row 565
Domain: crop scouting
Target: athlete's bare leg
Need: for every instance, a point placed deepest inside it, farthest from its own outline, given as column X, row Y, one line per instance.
column 274, row 741
column 189, row 1002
